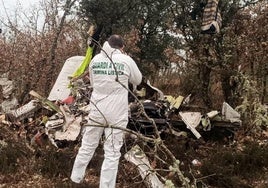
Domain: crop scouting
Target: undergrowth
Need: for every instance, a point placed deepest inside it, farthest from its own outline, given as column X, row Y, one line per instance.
column 230, row 167
column 223, row 166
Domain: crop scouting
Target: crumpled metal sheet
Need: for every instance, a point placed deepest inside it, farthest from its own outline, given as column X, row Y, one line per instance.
column 67, row 128
column 24, row 110
column 230, row 114
column 192, row 120
column 138, row 157
column 72, row 131
column 8, row 105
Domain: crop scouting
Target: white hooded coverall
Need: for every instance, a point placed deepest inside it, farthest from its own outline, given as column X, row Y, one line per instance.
column 109, row 106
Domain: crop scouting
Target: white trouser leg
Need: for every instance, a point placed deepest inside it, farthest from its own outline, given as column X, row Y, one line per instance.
column 112, row 146
column 90, row 142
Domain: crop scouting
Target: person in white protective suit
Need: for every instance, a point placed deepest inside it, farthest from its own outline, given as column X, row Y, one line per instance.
column 108, row 107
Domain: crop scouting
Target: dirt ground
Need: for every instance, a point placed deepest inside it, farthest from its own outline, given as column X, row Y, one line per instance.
column 217, row 161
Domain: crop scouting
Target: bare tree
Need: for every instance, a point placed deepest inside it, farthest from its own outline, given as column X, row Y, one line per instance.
column 31, row 41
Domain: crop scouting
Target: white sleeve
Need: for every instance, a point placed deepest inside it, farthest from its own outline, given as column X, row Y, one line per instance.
column 135, row 74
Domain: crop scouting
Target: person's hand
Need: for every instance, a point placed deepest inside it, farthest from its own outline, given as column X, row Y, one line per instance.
column 94, row 35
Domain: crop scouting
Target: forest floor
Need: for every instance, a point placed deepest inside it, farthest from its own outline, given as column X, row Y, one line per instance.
column 222, row 162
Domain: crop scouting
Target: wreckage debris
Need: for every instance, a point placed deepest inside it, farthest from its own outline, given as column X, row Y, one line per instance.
column 164, row 111
column 136, row 156
column 170, row 114
column 65, row 124
column 9, row 100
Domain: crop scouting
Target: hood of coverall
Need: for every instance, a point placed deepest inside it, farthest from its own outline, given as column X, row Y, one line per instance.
column 107, row 50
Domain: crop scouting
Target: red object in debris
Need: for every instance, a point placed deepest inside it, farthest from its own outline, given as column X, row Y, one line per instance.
column 68, row 100
column 37, row 139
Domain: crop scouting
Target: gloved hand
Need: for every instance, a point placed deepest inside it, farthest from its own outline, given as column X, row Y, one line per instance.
column 94, row 35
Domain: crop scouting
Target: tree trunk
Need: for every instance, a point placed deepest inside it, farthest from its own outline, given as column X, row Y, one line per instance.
column 52, row 56
column 204, row 76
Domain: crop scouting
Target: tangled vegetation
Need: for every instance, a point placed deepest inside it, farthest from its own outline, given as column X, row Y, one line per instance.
column 168, row 47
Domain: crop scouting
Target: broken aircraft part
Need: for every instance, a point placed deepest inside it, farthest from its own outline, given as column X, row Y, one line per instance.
column 139, row 159
column 60, row 89
column 165, row 111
